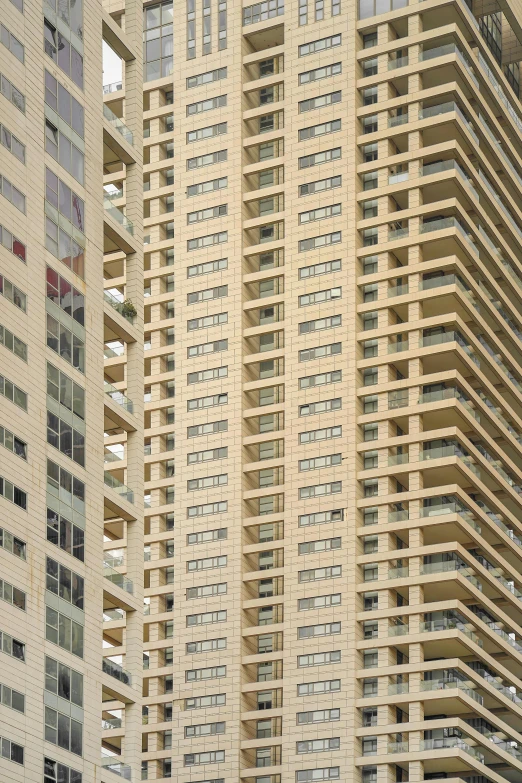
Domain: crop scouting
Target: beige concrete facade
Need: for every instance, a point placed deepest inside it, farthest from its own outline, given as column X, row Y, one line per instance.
column 56, row 502
column 332, row 393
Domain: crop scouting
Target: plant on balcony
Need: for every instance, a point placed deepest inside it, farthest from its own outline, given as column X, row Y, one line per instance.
column 128, row 309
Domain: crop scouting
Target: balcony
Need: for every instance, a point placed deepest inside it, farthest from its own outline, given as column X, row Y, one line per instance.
column 116, row 671
column 117, row 767
column 120, row 580
column 113, row 87
column 118, row 124
column 120, row 488
column 123, row 308
column 443, row 743
column 118, row 216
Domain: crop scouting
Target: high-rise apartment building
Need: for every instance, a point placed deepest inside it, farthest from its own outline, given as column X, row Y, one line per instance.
column 333, row 391
column 70, row 625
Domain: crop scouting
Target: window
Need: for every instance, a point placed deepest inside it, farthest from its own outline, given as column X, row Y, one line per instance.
column 12, row 43
column 12, row 244
column 64, row 104
column 207, row 508
column 320, row 45
column 317, row 297
column 205, row 348
column 206, row 105
column 203, row 702
column 323, row 686
column 13, row 293
column 319, row 102
column 204, row 730
column 207, row 133
column 307, row 161
column 320, row 73
column 207, row 268
column 319, row 490
column 319, row 130
column 13, row 493
column 208, row 645
column 314, row 408
column 12, row 94
column 207, row 321
column 206, row 591
column 259, row 12
column 318, row 716
column 313, row 775
column 158, row 41
column 11, row 751
column 212, row 401
column 207, row 375
column 321, row 517
column 61, row 630
column 207, row 160
column 66, row 208
column 206, row 78
column 207, row 536
column 324, row 545
column 309, row 381
column 65, row 437
column 207, row 429
column 11, row 143
column 54, row 772
column 63, row 731
column 317, row 463
column 63, row 681
column 12, row 699
column 207, row 214
column 13, row 343
column 207, row 294
column 207, row 563
column 13, row 393
column 317, row 187
column 206, row 618
column 206, row 757
column 311, row 631
column 207, row 241
column 318, row 746
column 62, row 52
column 12, row 544
column 207, row 187
column 12, row 194
column 64, row 583
column 12, row 595
column 319, row 659
column 315, row 243
column 210, row 673
column 318, row 574
column 368, row 8
column 11, row 646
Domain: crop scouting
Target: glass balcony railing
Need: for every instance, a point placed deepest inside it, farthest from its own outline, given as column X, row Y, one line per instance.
column 440, row 224
column 509, row 692
column 451, row 48
column 441, row 743
column 117, row 767
column 437, row 167
column 450, row 336
column 113, row 561
column 113, row 194
column 398, row 62
column 111, row 723
column 495, row 86
column 120, row 580
column 118, row 397
column 450, row 624
column 397, row 119
column 441, row 685
column 113, row 456
column 118, row 486
column 112, row 87
column 118, row 124
column 450, row 450
column 396, row 688
column 398, row 516
column 398, row 747
column 115, row 670
column 118, row 216
column 451, row 393
column 429, row 112
column 451, row 506
column 399, row 347
column 398, row 459
column 113, row 614
column 113, row 353
column 400, row 572
column 497, row 145
column 398, row 233
column 121, row 307
column 399, row 629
